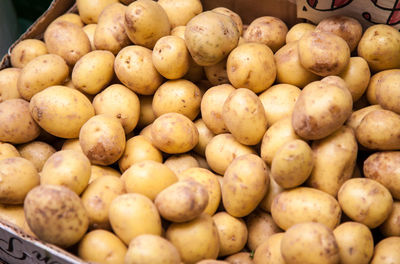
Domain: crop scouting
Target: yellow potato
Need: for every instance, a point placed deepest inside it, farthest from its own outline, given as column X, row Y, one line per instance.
column 25, row 51
column 387, row 251
column 178, row 31
column 240, row 258
column 371, row 89
column 195, row 72
column 391, row 227
column 72, row 18
column 100, row 171
column 365, row 201
column 357, row 76
column 72, row 144
column 273, row 190
column 90, row 29
column 147, row 115
column 8, row 151
column 201, row 161
column 9, row 84
column 181, row 11
column 261, row 226
column 217, row 73
column 357, row 116
column 37, row 152
column 235, row 17
column 14, row 214
column 270, row 251
column 101, row 246
column 386, row 91
column 297, row 31
column 62, row 220
column 90, row 10
column 181, row 162
column 205, row 135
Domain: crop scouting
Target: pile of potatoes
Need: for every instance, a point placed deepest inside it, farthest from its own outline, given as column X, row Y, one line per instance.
column 156, row 132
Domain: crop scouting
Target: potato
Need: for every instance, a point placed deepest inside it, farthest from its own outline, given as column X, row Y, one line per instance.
column 275, row 137
column 386, row 91
column 345, row 27
column 211, row 107
column 365, row 201
column 102, row 246
column 357, row 76
column 16, row 123
column 181, row 162
column 151, row 249
column 210, row 36
column 41, row 72
column 303, row 204
column 102, row 139
column 240, row 258
column 37, row 152
column 373, row 82
column 323, row 53
column 252, row 66
column 71, row 144
column 232, row 233
column 270, row 250
column 355, row 241
column 134, row 68
column 67, row 40
column 14, row 215
column 171, row 50
column 243, row 110
column 9, row 84
column 261, row 226
column 100, row 171
column 244, row 185
column 293, row 163
column 334, row 160
column 179, row 96
column 321, row 108
column 205, row 135
column 133, row 214
column 217, row 73
column 195, row 72
column 120, row 102
column 379, row 47
column 90, row 29
column 89, row 11
column 110, row 32
column 212, row 261
column 267, row 30
column 8, row 151
column 147, row 115
column 18, row 177
column 357, row 116
column 235, row 17
column 178, row 31
column 174, row 133
column 380, row 130
column 72, row 18
column 202, row 161
column 146, row 22
column 309, row 243
column 61, row 111
column 97, row 199
column 391, row 225
column 182, row 201
column 25, row 51
column 387, row 251
column 181, row 11
column 62, row 220
column 195, row 240
column 297, row 31
column 273, row 190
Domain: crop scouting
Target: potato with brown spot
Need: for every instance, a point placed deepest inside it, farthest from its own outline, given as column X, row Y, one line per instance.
column 235, row 17
column 25, row 51
column 90, row 10
column 181, row 11
column 260, row 226
column 387, row 251
column 297, row 31
column 37, row 152
column 270, row 250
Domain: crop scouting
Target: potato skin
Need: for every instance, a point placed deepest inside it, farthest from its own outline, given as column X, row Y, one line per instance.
column 357, row 76
column 8, row 150
column 391, row 225
column 240, row 258
column 181, row 11
column 90, row 10
column 9, row 84
column 273, row 190
column 260, row 226
column 205, row 135
column 387, row 251
column 235, row 17
column 270, row 251
column 37, row 152
column 25, row 51
column 386, row 92
column 358, row 115
column 297, row 31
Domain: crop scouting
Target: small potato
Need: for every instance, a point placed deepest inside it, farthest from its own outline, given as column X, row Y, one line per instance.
column 148, row 178
column 267, row 30
column 97, row 199
column 41, row 72
column 8, row 151
column 178, row 96
column 182, row 201
column 345, row 27
column 181, row 162
column 14, row 215
column 120, row 102
column 62, row 221
column 72, row 18
column 16, row 123
column 309, row 243
column 380, row 130
column 134, row 68
column 67, row 40
column 240, row 258
column 357, row 76
column 232, row 233
column 252, row 66
column 201, row 161
column 391, row 225
column 387, row 251
column 323, row 53
column 25, row 51
column 174, row 133
column 195, row 72
column 386, row 91
column 181, row 11
column 171, row 50
column 72, row 144
column 147, row 115
column 90, row 29
column 89, row 10
column 146, row 22
column 357, row 116
column 9, row 84
column 371, row 89
column 270, row 251
column 235, row 17
column 273, row 190
column 151, row 249
column 379, row 47
column 100, row 171
column 297, row 31
column 205, row 135
column 61, row 111
column 217, row 73
column 178, row 31
column 101, row 246
column 293, row 163
column 18, row 177
column 244, row 185
column 365, row 201
column 133, row 214
column 212, row 104
column 37, row 152
column 210, row 36
column 196, row 239
column 261, row 226
column 102, row 139
column 355, row 241
column 303, row 204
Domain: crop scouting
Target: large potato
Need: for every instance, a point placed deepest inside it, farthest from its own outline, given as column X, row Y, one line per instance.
column 260, row 226
column 37, row 152
column 62, row 220
column 357, row 76
column 270, row 251
column 386, row 91
column 71, row 17
column 9, row 84
column 181, row 11
column 90, row 10
column 25, row 51
column 391, row 225
column 235, row 17
column 387, row 251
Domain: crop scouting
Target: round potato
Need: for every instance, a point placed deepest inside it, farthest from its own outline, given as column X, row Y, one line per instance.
column 386, row 92
column 61, row 111
column 357, row 76
column 134, row 68
column 240, row 258
column 90, row 29
column 261, row 226
column 357, row 116
column 180, row 162
column 9, row 84
column 102, row 139
column 25, row 51
column 391, row 225
column 270, row 251
column 235, row 17
column 205, row 135
column 273, row 190
column 72, row 18
column 62, row 221
column 365, row 201
column 297, row 31
column 16, row 123
column 8, row 151
column 89, row 10
column 252, row 66
column 217, row 73
column 100, row 171
column 387, row 251
column 181, row 11
column 37, row 152
column 210, row 36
